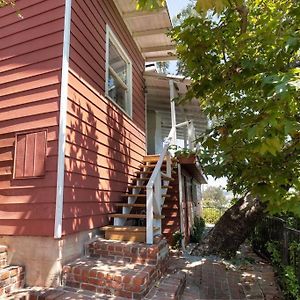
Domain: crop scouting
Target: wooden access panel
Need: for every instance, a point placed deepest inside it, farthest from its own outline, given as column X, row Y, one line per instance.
column 30, row 155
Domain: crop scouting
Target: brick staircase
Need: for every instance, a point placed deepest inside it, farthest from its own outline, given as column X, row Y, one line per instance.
column 133, row 208
column 12, row 278
column 118, row 270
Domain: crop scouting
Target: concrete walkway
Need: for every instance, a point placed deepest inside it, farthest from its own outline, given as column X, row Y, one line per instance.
column 247, row 277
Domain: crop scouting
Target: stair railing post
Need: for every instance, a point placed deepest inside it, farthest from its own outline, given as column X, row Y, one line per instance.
column 169, row 165
column 149, row 216
column 158, row 201
column 191, row 135
column 173, row 110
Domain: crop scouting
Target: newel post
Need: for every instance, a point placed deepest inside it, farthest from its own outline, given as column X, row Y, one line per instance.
column 149, row 216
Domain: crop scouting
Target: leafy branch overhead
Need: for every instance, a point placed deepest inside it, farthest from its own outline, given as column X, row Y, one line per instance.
column 244, row 61
column 247, row 79
column 201, row 5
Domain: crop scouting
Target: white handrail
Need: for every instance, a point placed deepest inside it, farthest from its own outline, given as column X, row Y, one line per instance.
column 153, row 205
column 154, row 192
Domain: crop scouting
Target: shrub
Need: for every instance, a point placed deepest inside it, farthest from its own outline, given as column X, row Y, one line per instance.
column 197, row 229
column 176, row 241
column 211, row 215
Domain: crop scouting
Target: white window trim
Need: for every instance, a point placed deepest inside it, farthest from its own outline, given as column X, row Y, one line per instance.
column 110, row 36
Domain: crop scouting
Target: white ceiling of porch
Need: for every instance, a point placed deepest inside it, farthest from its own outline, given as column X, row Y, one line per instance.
column 158, row 99
column 149, row 29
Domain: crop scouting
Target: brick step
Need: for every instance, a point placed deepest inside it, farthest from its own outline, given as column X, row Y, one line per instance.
column 155, row 254
column 109, row 276
column 12, row 278
column 169, row 287
column 60, row 294
column 3, row 257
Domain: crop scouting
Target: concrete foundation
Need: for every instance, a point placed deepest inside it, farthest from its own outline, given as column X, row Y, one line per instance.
column 44, row 257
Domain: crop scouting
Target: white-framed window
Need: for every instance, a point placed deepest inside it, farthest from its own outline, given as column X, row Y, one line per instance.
column 118, row 81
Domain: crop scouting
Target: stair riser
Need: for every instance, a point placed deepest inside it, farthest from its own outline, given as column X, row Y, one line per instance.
column 11, row 279
column 3, row 259
column 133, row 253
column 131, row 286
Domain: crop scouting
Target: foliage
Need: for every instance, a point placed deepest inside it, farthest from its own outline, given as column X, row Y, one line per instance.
column 6, row 3
column 163, row 67
column 245, row 71
column 197, row 229
column 287, row 274
column 211, row 215
column 150, row 4
column 177, row 239
column 201, row 5
column 213, row 196
column 182, row 152
column 11, row 3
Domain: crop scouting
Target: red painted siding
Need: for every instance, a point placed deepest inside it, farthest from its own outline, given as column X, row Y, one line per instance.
column 104, row 146
column 30, row 70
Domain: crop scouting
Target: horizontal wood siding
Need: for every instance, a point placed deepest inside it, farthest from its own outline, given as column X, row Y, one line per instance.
column 104, row 146
column 30, row 71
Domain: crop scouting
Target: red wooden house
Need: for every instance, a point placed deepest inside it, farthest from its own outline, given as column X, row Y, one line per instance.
column 75, row 129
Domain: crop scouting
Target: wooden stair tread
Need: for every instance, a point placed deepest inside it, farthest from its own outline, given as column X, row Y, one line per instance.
column 142, row 195
column 155, row 158
column 144, row 186
column 147, row 178
column 167, row 177
column 150, row 172
column 126, row 228
column 135, row 216
column 130, row 205
column 128, row 216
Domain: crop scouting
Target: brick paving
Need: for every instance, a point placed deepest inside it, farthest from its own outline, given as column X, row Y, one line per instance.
column 187, row 278
column 212, row 278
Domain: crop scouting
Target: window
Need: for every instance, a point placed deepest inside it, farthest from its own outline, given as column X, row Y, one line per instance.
column 30, row 155
column 118, row 85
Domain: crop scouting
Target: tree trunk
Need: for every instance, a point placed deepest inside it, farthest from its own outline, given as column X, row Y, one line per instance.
column 225, row 238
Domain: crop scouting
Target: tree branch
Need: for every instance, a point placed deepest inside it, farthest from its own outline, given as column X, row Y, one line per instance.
column 243, row 11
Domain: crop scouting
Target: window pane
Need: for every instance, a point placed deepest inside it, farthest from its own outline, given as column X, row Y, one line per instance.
column 117, row 63
column 117, row 92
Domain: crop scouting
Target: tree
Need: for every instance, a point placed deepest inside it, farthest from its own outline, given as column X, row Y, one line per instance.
column 163, row 67
column 243, row 65
column 214, row 196
column 243, row 60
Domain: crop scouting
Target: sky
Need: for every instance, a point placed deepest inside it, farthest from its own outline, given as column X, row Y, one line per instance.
column 175, row 7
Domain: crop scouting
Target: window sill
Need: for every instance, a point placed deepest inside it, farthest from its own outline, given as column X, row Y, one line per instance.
column 119, row 107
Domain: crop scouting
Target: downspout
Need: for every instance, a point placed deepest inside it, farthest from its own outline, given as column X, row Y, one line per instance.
column 63, row 121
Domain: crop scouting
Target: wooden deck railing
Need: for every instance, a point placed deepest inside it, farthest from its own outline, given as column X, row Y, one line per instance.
column 154, row 198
